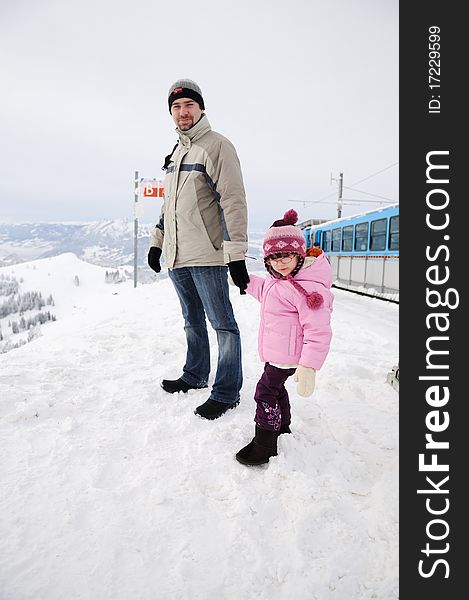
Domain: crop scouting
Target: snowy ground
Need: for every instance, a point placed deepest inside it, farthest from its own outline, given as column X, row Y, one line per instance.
column 114, row 490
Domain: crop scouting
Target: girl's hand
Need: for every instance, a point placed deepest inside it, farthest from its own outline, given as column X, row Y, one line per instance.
column 305, row 377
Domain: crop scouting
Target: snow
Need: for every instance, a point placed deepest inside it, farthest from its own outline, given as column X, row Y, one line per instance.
column 115, row 490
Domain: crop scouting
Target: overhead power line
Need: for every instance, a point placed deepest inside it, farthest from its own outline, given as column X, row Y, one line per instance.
column 341, row 200
column 377, row 173
column 368, row 194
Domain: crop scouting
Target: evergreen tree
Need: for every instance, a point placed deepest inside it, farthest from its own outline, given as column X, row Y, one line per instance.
column 34, row 333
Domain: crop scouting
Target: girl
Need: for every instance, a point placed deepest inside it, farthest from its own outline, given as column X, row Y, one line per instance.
column 294, row 331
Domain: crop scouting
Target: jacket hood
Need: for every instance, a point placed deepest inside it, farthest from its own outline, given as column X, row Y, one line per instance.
column 316, row 269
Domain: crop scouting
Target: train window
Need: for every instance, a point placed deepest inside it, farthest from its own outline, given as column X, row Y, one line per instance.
column 378, row 234
column 326, row 241
column 347, row 238
column 394, row 233
column 361, row 237
column 336, row 235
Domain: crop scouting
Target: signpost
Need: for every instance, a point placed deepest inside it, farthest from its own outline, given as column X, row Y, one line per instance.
column 148, row 188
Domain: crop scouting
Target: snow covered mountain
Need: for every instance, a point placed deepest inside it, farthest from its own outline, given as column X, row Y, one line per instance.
column 105, row 243
column 108, row 243
column 115, row 490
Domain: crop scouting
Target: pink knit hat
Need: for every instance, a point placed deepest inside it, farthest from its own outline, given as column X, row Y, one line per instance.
column 284, row 237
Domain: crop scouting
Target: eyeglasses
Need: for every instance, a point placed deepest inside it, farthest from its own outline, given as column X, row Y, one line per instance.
column 284, row 260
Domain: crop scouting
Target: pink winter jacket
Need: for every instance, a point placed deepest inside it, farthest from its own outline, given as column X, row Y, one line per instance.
column 290, row 332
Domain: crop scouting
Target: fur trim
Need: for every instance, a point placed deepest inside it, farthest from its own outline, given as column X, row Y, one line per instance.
column 309, row 260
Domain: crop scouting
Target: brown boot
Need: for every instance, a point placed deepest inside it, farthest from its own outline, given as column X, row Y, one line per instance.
column 260, row 449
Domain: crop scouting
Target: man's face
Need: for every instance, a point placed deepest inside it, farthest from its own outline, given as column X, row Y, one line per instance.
column 185, row 112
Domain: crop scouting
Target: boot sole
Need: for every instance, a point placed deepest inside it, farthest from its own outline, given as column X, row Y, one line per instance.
column 247, row 462
column 251, row 464
column 169, row 391
column 212, row 418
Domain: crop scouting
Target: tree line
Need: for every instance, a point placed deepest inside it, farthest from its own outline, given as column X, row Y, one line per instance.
column 17, row 303
column 20, row 303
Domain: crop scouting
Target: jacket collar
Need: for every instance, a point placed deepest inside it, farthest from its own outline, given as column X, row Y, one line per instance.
column 194, row 133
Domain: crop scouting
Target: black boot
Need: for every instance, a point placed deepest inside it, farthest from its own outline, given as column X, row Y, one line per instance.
column 212, row 409
column 284, row 429
column 178, row 385
column 260, row 449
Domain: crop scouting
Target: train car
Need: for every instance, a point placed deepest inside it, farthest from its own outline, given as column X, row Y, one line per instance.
column 363, row 250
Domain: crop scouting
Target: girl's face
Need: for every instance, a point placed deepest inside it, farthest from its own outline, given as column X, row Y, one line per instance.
column 286, row 267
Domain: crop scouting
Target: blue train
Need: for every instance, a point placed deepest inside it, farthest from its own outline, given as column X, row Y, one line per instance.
column 363, row 249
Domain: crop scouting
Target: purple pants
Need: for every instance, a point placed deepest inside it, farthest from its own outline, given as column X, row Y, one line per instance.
column 273, row 405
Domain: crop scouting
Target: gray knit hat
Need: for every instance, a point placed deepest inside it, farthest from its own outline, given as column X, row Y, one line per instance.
column 185, row 88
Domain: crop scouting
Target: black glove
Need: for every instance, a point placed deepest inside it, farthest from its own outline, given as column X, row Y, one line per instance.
column 154, row 259
column 239, row 274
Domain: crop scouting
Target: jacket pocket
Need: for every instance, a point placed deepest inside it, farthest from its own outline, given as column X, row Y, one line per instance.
column 209, row 212
column 292, row 341
column 205, row 232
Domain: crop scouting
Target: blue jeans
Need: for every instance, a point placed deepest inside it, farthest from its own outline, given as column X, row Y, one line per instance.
column 204, row 291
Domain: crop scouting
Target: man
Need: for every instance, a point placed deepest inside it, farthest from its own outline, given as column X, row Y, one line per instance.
column 203, row 228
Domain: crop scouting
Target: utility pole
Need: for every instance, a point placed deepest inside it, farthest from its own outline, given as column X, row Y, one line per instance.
column 136, row 182
column 339, row 199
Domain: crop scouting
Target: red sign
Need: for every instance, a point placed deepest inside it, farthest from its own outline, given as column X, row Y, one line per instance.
column 153, row 189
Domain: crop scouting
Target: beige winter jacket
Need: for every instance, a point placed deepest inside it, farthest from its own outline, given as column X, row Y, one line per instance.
column 204, row 217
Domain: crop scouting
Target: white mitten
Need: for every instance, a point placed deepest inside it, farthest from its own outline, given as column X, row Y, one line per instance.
column 305, row 377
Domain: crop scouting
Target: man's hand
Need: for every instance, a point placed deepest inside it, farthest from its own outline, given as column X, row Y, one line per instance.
column 154, row 259
column 239, row 274
column 305, row 377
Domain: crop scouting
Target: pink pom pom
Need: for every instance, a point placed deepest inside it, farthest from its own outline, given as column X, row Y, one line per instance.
column 314, row 300
column 290, row 217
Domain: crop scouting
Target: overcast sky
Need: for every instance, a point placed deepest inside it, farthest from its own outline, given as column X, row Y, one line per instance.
column 303, row 88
